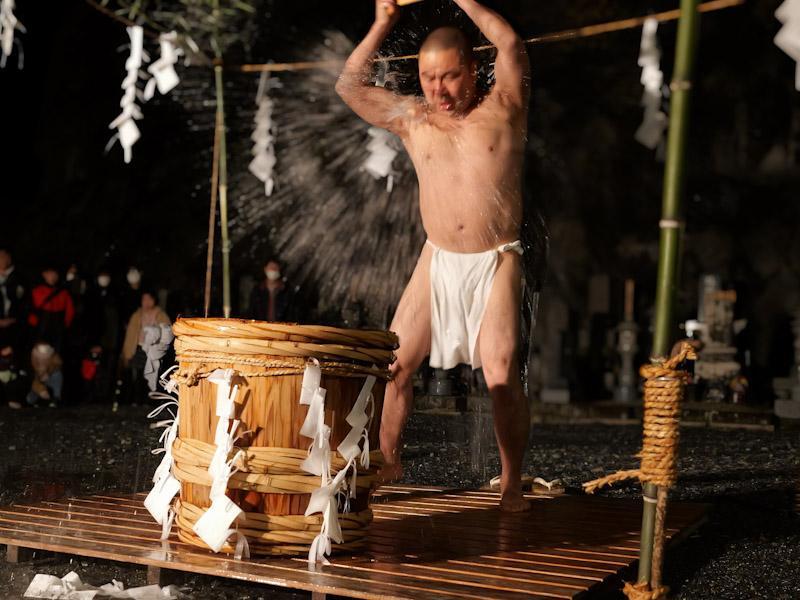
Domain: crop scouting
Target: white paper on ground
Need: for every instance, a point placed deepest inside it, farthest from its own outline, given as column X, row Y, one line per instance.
column 70, row 587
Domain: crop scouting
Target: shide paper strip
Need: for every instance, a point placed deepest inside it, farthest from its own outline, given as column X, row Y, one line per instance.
column 263, row 136
column 651, row 131
column 8, row 24
column 788, row 38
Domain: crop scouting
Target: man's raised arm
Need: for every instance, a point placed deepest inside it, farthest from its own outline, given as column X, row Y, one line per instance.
column 512, row 68
column 375, row 105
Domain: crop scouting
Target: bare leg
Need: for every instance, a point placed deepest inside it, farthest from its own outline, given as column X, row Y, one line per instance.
column 412, row 323
column 498, row 347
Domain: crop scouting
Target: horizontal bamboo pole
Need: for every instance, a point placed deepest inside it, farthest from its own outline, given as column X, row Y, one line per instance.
column 558, row 36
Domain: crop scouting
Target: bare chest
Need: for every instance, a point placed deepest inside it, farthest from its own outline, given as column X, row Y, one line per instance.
column 482, row 145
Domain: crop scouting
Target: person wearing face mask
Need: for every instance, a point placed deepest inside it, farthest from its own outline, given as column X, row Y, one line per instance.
column 269, row 300
column 103, row 330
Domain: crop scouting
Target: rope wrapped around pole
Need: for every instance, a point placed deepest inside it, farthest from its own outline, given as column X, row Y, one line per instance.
column 663, row 394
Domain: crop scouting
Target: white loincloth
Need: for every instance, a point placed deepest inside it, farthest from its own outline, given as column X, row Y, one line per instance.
column 460, row 288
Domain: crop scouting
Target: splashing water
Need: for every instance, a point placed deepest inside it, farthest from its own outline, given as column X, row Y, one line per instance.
column 348, row 243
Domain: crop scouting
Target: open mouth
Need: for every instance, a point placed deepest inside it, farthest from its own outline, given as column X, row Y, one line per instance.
column 446, row 105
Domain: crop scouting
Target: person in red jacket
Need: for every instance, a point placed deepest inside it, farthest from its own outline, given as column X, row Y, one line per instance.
column 52, row 310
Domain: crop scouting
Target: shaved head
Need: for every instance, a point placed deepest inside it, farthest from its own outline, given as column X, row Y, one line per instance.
column 446, row 38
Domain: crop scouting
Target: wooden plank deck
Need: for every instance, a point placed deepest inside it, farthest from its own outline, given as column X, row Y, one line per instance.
column 425, row 542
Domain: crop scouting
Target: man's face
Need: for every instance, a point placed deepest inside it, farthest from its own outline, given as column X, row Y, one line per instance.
column 448, row 81
column 50, row 276
column 5, row 260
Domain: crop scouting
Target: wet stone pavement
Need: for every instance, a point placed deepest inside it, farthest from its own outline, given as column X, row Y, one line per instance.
column 749, row 548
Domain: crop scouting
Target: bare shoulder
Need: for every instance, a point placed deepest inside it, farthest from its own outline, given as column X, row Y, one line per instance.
column 501, row 106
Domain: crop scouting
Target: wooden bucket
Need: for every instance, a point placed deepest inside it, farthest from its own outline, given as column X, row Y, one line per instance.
column 269, row 361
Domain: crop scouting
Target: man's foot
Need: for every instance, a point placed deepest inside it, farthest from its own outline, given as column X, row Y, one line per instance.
column 390, row 473
column 514, row 502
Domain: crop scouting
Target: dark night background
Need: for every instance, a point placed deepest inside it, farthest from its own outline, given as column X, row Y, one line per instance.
column 64, row 199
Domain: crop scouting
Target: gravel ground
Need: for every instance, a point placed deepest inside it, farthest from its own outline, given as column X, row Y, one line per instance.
column 749, row 548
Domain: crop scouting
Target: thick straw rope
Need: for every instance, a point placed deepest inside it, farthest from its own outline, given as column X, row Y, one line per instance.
column 196, row 365
column 663, row 393
column 642, row 591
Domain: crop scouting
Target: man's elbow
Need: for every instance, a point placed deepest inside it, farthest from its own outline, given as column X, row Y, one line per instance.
column 512, row 45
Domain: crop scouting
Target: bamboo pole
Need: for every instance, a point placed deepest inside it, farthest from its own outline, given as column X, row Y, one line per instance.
column 556, row 36
column 223, row 171
column 669, row 249
column 212, row 216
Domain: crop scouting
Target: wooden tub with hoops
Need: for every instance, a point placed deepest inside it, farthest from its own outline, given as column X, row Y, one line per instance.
column 268, row 362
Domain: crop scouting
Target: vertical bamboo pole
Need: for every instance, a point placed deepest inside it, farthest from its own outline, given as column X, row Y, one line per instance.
column 212, row 217
column 669, row 243
column 223, row 170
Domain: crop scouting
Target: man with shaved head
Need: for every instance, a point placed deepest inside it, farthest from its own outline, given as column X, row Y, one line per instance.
column 462, row 302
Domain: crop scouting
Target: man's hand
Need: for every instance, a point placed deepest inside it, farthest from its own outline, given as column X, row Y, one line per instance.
column 386, row 13
column 8, row 322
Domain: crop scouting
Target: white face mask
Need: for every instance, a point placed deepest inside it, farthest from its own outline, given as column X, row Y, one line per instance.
column 134, row 277
column 103, row 280
column 273, row 275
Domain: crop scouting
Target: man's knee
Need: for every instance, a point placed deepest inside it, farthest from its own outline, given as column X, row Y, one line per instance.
column 402, row 372
column 499, row 369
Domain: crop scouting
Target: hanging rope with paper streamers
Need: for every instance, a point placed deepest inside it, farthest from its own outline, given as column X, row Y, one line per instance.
column 651, row 131
column 263, row 135
column 325, row 499
column 165, row 485
column 381, row 155
column 8, row 24
column 214, row 526
column 127, row 131
column 163, row 76
column 788, row 38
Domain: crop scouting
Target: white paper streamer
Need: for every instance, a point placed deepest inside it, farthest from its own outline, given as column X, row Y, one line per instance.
column 70, row 587
column 165, row 486
column 214, row 526
column 263, row 136
column 157, row 340
column 125, row 124
column 381, row 155
column 788, row 38
column 325, row 499
column 8, row 24
column 164, row 76
column 651, row 131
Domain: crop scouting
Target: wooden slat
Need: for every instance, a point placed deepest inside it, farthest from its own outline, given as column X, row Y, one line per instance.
column 424, row 543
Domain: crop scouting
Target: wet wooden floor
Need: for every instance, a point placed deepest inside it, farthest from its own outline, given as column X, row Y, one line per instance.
column 429, row 543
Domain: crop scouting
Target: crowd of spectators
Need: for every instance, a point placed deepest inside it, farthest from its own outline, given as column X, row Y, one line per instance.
column 71, row 339
column 68, row 338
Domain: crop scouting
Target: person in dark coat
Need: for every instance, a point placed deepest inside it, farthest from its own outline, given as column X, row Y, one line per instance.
column 270, row 300
column 52, row 310
column 102, row 324
column 13, row 304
